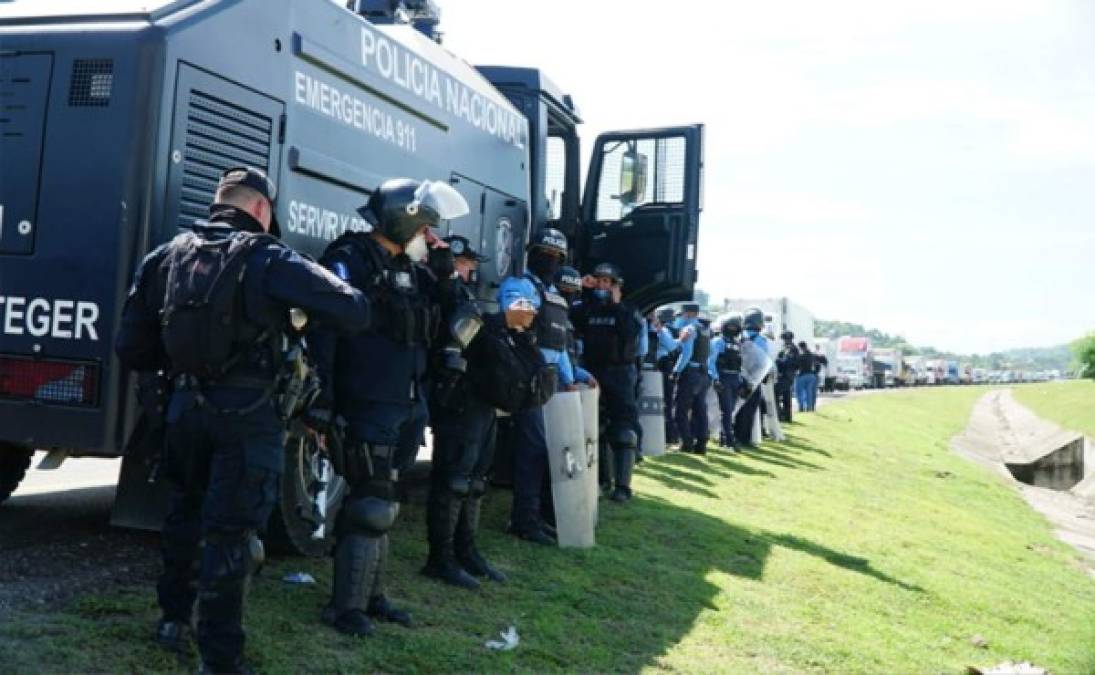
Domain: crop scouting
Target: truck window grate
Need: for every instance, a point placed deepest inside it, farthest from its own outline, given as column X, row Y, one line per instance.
column 92, row 83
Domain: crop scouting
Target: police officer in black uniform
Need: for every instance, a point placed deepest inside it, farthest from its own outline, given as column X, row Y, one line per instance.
column 666, row 353
column 218, row 341
column 376, row 384
column 610, row 331
column 786, row 370
column 569, row 283
column 463, row 433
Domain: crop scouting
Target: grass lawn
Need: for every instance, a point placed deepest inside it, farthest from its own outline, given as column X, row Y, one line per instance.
column 860, row 545
column 1070, row 403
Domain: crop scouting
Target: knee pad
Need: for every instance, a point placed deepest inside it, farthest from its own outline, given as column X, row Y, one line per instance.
column 625, row 438
column 478, row 487
column 228, row 554
column 256, row 553
column 368, row 515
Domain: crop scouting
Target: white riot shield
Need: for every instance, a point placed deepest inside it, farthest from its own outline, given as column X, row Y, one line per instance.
column 755, row 363
column 652, row 412
column 568, row 465
column 591, row 427
column 774, row 428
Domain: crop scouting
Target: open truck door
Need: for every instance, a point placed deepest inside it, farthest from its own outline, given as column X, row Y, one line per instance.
column 641, row 211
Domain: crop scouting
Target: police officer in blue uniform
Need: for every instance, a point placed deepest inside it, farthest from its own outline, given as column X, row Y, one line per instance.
column 724, row 365
column 463, row 432
column 546, row 254
column 376, row 383
column 219, row 342
column 668, row 349
column 610, row 332
column 692, row 381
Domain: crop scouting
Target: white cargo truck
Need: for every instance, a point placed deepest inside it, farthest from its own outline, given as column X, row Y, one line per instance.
column 782, row 314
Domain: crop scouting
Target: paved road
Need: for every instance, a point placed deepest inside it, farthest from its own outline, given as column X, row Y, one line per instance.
column 56, row 539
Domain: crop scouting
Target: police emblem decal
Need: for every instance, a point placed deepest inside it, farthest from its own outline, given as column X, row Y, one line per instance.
column 503, row 246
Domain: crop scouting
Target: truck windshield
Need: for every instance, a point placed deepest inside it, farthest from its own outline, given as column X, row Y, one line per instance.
column 49, row 8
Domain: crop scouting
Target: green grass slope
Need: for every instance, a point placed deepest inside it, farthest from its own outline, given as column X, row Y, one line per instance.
column 861, row 545
column 1070, row 403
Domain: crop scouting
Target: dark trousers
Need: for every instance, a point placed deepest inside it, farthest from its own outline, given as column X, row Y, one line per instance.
column 743, row 421
column 728, row 398
column 530, row 461
column 224, row 472
column 619, row 408
column 691, row 406
column 783, row 400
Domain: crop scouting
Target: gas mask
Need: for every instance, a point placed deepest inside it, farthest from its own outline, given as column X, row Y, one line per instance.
column 417, row 249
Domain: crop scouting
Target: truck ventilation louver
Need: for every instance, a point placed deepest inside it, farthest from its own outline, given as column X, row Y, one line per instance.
column 219, row 136
column 92, row 83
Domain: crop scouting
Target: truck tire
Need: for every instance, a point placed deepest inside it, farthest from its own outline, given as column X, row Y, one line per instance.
column 289, row 530
column 14, row 462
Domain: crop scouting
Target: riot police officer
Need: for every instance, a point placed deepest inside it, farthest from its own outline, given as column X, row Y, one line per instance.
column 787, row 370
column 536, row 288
column 463, row 433
column 752, row 324
column 692, row 381
column 610, row 331
column 725, row 370
column 209, row 309
column 375, row 383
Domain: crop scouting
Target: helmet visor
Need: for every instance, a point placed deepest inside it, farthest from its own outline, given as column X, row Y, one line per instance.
column 441, row 198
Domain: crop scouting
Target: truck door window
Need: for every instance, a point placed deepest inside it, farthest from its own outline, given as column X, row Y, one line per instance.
column 555, row 170
column 639, row 172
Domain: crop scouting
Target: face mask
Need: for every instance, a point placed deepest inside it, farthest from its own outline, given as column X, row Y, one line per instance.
column 752, row 333
column 602, row 294
column 543, row 265
column 417, row 249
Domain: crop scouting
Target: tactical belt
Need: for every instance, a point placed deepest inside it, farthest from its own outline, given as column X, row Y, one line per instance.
column 186, row 382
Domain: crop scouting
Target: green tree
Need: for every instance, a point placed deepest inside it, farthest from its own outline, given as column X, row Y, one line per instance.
column 1083, row 354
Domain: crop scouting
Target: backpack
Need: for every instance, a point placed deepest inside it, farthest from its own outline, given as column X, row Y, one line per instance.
column 202, row 322
column 509, row 372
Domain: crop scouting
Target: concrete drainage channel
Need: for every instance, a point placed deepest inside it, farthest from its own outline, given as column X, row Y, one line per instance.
column 1054, row 469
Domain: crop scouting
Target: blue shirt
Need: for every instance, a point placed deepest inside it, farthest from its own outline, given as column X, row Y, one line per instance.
column 666, row 342
column 718, row 346
column 686, row 343
column 516, row 288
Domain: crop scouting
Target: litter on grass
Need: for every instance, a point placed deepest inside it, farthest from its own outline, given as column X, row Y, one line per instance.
column 509, row 640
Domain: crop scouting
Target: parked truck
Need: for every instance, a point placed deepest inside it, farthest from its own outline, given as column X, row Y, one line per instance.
column 886, row 366
column 853, row 363
column 118, row 118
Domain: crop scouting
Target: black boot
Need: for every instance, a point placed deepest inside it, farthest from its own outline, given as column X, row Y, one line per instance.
column 356, row 560
column 442, row 516
column 174, row 636
column 466, row 552
column 379, row 608
column 624, row 461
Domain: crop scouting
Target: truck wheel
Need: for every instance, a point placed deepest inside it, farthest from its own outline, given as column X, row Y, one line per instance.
column 14, row 462
column 291, row 526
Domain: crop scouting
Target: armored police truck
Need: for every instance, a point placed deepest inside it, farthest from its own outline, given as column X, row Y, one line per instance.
column 118, row 116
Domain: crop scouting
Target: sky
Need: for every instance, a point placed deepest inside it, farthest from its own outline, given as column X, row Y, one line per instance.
column 926, row 167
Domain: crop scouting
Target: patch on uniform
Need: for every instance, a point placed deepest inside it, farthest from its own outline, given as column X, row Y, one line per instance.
column 341, row 271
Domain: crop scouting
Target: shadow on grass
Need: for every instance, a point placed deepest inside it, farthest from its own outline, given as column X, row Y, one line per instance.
column 797, row 443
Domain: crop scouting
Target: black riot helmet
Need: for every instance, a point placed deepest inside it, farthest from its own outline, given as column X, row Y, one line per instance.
column 666, row 315
column 787, row 336
column 568, row 280
column 401, row 206
column 753, row 319
column 731, row 325
column 610, row 271
column 550, row 240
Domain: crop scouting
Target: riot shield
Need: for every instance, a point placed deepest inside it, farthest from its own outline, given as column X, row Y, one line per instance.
column 591, row 427
column 652, row 412
column 567, row 463
column 755, row 363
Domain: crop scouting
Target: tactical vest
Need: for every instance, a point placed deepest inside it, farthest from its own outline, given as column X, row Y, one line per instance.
column 729, row 361
column 401, row 312
column 701, row 346
column 604, row 337
column 552, row 319
column 651, row 355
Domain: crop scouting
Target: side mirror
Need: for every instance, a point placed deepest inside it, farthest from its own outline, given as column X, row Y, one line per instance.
column 633, row 173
